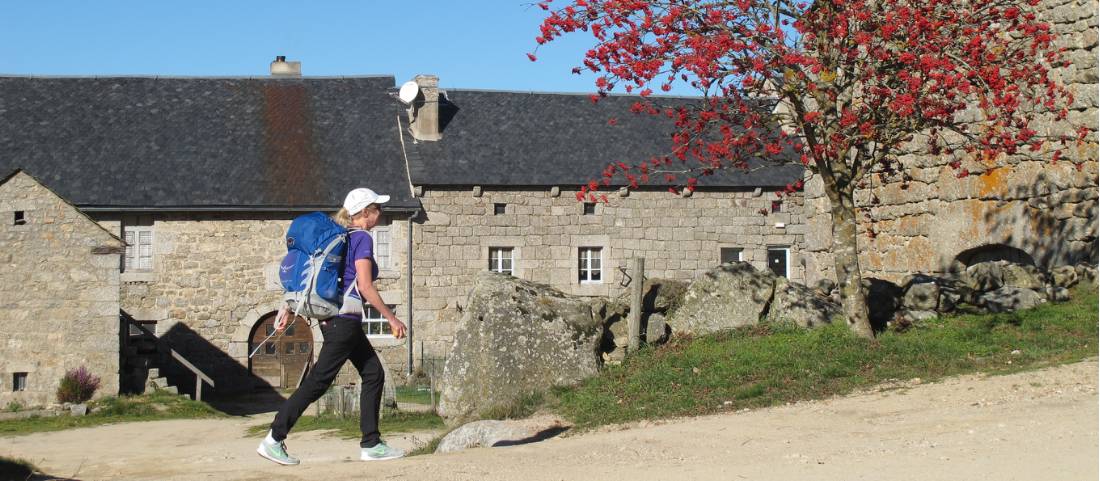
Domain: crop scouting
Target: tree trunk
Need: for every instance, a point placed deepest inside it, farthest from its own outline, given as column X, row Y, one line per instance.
column 846, row 259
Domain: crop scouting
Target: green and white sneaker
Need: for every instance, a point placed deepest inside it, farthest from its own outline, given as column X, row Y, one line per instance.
column 380, row 452
column 276, row 451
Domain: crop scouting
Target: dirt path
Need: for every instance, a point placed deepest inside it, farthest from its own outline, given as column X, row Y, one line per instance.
column 1028, row 426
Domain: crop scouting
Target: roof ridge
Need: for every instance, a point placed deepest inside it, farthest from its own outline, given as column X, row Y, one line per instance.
column 586, row 94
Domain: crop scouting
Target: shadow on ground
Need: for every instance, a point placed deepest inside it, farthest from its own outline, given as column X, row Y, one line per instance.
column 537, row 437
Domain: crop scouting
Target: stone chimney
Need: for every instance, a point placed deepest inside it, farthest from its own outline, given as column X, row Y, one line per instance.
column 424, row 110
column 281, row 68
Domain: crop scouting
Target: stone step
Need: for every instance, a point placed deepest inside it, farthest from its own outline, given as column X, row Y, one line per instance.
column 158, row 382
column 154, row 372
column 172, row 389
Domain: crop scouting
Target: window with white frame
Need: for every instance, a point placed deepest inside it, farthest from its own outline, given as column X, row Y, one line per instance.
column 501, row 260
column 381, row 235
column 731, row 254
column 590, row 267
column 374, row 324
column 139, row 248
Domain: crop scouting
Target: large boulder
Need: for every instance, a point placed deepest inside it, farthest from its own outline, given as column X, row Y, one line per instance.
column 1063, row 276
column 516, row 337
column 1007, row 299
column 984, row 276
column 801, row 305
column 1022, row 276
column 728, row 296
column 922, row 296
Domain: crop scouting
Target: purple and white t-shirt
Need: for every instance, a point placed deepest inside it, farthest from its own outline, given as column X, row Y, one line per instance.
column 360, row 246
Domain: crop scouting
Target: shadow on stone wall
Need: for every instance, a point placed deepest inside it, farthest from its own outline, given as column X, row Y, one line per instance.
column 238, row 391
column 1058, row 226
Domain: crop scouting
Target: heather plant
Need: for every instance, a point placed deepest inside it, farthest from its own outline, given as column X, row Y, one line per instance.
column 77, row 386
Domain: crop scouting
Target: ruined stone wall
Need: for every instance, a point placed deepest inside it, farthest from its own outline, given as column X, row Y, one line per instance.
column 60, row 286
column 214, row 276
column 679, row 238
column 1049, row 211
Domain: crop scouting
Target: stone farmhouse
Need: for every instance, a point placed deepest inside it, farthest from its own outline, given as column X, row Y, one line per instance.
column 142, row 207
column 181, row 190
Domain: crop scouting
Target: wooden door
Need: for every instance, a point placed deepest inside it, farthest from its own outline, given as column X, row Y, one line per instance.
column 282, row 358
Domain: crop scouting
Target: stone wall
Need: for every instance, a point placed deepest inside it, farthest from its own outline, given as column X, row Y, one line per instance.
column 1049, row 211
column 61, row 294
column 214, row 276
column 679, row 238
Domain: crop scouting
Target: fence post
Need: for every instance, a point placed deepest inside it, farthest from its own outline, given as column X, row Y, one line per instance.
column 634, row 325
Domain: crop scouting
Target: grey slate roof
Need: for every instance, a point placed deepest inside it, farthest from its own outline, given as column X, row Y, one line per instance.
column 243, row 143
column 545, row 139
column 132, row 143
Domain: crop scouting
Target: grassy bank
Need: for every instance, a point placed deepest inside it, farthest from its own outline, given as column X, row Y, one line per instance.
column 149, row 407
column 770, row 365
column 348, row 427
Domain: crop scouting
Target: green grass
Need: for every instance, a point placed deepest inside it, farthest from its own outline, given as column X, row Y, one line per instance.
column 413, row 394
column 769, row 365
column 148, row 407
column 348, row 428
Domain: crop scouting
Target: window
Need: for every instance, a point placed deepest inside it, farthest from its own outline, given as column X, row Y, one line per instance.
column 779, row 262
column 381, row 235
column 19, row 381
column 289, row 348
column 303, row 347
column 500, row 260
column 139, row 248
column 270, row 329
column 590, row 266
column 20, row 218
column 269, row 347
column 374, row 324
column 290, row 330
column 777, row 206
column 731, row 254
column 589, row 208
column 499, row 209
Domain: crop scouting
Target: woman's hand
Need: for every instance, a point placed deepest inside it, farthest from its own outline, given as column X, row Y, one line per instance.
column 397, row 328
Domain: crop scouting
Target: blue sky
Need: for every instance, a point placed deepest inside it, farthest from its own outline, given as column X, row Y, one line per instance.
column 467, row 43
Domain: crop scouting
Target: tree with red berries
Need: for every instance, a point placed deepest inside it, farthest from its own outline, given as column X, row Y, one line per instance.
column 846, row 87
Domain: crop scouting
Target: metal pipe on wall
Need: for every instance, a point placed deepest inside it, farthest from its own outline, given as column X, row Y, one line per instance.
column 409, row 291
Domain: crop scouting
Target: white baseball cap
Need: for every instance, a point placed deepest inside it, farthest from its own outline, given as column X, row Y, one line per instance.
column 359, row 199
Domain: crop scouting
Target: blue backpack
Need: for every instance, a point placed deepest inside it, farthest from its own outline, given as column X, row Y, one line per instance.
column 313, row 269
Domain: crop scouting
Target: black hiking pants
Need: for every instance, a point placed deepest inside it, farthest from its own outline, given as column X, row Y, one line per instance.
column 343, row 340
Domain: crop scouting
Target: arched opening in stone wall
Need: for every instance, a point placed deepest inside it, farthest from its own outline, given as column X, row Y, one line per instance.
column 992, row 252
column 281, row 358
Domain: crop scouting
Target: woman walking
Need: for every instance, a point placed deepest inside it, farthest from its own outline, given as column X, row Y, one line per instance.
column 345, row 340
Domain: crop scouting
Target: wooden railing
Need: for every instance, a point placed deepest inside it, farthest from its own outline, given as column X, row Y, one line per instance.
column 200, row 376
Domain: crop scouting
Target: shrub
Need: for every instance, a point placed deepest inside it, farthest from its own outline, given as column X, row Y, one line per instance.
column 77, row 386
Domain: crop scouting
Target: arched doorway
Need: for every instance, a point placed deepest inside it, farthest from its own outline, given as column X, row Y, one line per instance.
column 992, row 252
column 280, row 360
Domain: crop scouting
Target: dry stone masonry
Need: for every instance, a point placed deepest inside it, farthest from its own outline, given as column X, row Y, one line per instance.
column 1048, row 211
